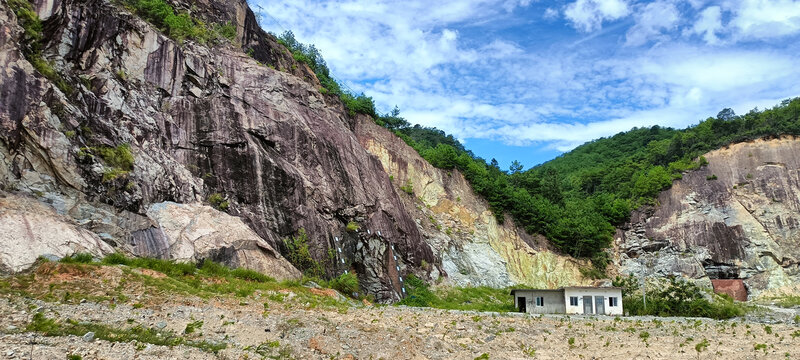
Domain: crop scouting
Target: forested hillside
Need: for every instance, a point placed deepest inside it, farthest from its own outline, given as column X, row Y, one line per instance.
column 577, row 199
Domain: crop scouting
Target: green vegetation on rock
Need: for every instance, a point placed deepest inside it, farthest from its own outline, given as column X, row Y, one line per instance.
column 179, row 25
column 298, row 253
column 31, row 43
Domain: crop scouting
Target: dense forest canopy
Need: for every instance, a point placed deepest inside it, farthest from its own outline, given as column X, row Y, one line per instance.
column 577, row 199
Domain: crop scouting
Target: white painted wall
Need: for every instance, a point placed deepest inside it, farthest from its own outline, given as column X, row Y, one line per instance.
column 605, row 293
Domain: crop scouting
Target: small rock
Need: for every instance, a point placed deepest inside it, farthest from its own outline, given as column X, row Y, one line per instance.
column 11, row 328
column 161, row 324
column 196, row 91
column 83, row 301
column 10, row 353
column 345, row 346
column 51, row 257
column 489, row 338
column 88, row 337
column 460, row 327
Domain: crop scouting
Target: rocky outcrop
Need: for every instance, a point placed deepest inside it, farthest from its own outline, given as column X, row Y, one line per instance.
column 29, row 229
column 199, row 120
column 736, row 218
column 472, row 248
column 193, row 232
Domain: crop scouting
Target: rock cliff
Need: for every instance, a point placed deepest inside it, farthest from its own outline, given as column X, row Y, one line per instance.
column 199, row 122
column 221, row 150
column 736, row 218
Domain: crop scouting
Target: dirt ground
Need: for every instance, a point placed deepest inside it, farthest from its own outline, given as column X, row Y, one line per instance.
column 286, row 328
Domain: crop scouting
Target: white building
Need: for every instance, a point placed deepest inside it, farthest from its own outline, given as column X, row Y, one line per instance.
column 569, row 300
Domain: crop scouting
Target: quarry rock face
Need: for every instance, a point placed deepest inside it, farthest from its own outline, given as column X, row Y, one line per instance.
column 193, row 232
column 736, row 218
column 200, row 121
column 29, row 229
column 473, row 248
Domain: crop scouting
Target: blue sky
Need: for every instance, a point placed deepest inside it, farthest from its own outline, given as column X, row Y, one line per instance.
column 528, row 80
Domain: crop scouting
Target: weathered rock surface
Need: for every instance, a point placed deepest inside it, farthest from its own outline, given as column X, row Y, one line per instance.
column 193, row 232
column 474, row 249
column 199, row 120
column 745, row 224
column 29, row 229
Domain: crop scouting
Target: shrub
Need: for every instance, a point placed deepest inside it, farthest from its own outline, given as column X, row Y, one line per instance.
column 346, row 284
column 119, row 157
column 297, row 252
column 352, row 226
column 227, row 31
column 218, row 201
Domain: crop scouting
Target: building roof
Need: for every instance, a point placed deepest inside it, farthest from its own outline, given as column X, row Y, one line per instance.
column 569, row 287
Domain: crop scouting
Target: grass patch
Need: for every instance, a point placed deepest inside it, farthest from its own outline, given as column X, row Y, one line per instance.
column 481, row 298
column 205, row 280
column 78, row 258
column 788, row 301
column 51, row 327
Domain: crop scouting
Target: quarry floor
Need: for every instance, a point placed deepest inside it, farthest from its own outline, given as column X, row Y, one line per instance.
column 290, row 328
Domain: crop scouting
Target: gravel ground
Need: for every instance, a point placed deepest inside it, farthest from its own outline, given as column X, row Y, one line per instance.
column 288, row 328
column 390, row 333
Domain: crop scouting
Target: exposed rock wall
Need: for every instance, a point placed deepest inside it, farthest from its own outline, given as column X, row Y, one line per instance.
column 199, row 121
column 471, row 247
column 736, row 218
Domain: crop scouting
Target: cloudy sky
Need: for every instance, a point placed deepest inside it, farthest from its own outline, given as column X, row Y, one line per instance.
column 528, row 79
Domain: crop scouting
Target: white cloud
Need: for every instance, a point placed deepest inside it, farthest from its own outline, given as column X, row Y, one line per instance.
column 761, row 19
column 588, row 15
column 708, row 24
column 550, row 13
column 651, row 20
column 560, row 94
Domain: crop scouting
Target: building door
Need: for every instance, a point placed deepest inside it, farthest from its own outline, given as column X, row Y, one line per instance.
column 587, row 305
column 521, row 304
column 600, row 305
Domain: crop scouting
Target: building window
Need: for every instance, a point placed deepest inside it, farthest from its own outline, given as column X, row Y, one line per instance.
column 573, row 301
column 540, row 301
column 612, row 301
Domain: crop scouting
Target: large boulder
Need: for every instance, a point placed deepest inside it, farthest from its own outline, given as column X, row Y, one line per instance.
column 29, row 229
column 193, row 232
